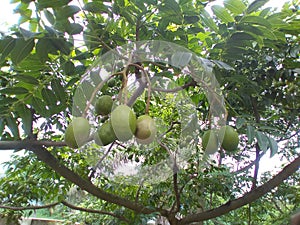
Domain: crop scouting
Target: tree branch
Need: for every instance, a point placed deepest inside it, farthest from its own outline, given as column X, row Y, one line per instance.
column 94, row 211
column 87, row 185
column 35, row 207
column 27, row 143
column 14, row 208
column 248, row 166
column 247, row 198
column 176, row 204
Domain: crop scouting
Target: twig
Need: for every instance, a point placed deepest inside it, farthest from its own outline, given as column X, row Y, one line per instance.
column 94, row 95
column 257, row 148
column 248, row 166
column 14, row 208
column 94, row 211
column 105, row 155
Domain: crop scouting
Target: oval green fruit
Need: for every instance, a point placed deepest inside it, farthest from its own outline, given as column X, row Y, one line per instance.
column 123, row 121
column 210, row 142
column 77, row 132
column 145, row 129
column 105, row 134
column 229, row 138
column 103, row 105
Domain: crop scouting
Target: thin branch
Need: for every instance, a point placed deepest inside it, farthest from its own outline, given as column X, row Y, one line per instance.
column 256, row 166
column 104, row 156
column 94, row 211
column 14, row 208
column 248, row 166
column 257, row 148
column 289, row 137
column 170, row 128
column 246, row 199
column 96, row 90
column 138, row 192
column 176, row 190
column 24, row 144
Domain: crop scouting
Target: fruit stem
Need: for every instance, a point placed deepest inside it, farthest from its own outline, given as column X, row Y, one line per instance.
column 124, row 91
column 84, row 114
column 149, row 93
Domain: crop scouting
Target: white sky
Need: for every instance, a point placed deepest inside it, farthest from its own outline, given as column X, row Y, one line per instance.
column 8, row 18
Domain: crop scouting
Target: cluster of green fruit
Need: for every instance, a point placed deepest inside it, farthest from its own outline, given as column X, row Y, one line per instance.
column 228, row 136
column 122, row 125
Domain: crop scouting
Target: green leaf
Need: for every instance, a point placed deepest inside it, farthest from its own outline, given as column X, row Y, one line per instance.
column 235, row 6
column 208, row 21
column 256, row 20
column 262, row 140
column 222, row 65
column 222, row 13
column 6, row 46
column 49, row 97
column 181, row 59
column 59, row 90
column 39, row 106
column 267, row 33
column 45, row 46
column 42, row 4
column 74, row 28
column 95, row 7
column 171, row 11
column 7, row 101
column 31, row 63
column 250, row 134
column 69, row 68
column 273, row 146
column 62, row 45
column 240, row 39
column 26, row 117
column 191, row 19
column 21, row 50
column 27, row 79
column 256, row 5
column 27, row 34
column 14, row 90
column 240, row 122
column 67, row 11
column 13, row 127
column 49, row 16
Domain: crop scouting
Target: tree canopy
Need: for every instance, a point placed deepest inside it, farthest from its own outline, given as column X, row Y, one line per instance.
column 192, row 71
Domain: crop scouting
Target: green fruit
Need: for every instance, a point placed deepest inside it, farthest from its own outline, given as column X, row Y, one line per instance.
column 105, row 134
column 210, row 142
column 229, row 138
column 123, row 121
column 145, row 129
column 77, row 133
column 103, row 105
